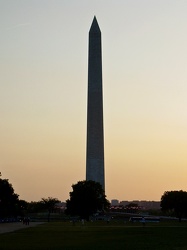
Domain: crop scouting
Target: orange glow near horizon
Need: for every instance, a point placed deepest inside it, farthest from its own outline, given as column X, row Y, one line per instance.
column 43, row 96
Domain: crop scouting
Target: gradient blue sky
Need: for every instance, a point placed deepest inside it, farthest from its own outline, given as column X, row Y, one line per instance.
column 43, row 95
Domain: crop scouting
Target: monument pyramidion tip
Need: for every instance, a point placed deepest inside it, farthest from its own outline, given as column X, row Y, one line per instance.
column 94, row 26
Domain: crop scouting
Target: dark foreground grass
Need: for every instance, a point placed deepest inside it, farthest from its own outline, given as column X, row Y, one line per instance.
column 98, row 235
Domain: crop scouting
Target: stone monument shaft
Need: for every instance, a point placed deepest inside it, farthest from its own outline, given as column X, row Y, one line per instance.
column 95, row 134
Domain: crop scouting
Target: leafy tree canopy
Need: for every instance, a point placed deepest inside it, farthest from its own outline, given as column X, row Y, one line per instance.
column 35, row 207
column 9, row 202
column 49, row 204
column 86, row 199
column 175, row 201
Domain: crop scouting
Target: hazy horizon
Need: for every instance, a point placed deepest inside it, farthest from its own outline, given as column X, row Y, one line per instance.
column 43, row 96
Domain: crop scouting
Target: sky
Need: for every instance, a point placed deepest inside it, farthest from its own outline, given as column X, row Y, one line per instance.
column 43, row 95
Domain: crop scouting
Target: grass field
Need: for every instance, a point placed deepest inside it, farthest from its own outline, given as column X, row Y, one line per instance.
column 98, row 235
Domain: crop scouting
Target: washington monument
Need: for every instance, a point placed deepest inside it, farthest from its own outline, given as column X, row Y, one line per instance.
column 95, row 134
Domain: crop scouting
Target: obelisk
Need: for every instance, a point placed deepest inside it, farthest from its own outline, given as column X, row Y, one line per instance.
column 95, row 133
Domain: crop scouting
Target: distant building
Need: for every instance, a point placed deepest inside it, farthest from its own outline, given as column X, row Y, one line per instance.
column 150, row 204
column 145, row 205
column 114, row 202
column 61, row 206
column 124, row 203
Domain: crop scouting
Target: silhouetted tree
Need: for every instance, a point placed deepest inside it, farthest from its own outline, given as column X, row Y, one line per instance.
column 36, row 207
column 176, row 202
column 86, row 199
column 49, row 204
column 9, row 202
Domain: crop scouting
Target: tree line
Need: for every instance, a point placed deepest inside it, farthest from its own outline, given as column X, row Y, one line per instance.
column 11, row 206
column 86, row 199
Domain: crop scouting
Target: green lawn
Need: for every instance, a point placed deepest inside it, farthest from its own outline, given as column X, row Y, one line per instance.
column 98, row 235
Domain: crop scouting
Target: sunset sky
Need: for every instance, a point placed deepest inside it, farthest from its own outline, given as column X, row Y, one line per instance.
column 43, row 95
